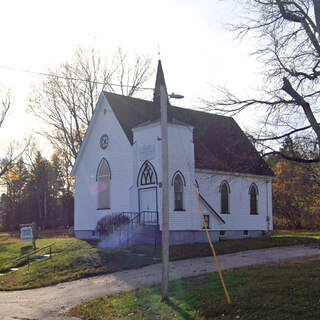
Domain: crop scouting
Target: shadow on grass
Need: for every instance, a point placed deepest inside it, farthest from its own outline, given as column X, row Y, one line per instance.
column 171, row 304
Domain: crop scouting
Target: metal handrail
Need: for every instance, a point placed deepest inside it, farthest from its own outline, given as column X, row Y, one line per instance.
column 154, row 220
column 120, row 215
column 143, row 217
column 35, row 251
column 27, row 256
column 135, row 217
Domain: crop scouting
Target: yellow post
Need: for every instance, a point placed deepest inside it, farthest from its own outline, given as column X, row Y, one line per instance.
column 212, row 248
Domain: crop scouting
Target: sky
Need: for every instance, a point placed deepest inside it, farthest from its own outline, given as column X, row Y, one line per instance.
column 196, row 49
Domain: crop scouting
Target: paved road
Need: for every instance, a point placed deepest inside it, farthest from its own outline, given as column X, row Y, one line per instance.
column 52, row 302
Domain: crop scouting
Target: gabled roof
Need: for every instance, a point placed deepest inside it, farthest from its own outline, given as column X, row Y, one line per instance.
column 219, row 143
column 88, row 133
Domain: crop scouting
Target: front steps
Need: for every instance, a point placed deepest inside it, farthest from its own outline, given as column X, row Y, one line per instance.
column 132, row 235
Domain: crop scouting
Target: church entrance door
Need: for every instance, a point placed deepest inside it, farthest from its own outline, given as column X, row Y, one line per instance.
column 148, row 205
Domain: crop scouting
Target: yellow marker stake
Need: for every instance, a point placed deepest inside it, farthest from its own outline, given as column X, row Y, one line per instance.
column 212, row 248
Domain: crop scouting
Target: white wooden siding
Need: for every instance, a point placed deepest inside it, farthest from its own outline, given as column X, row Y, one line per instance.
column 119, row 156
column 125, row 162
column 239, row 217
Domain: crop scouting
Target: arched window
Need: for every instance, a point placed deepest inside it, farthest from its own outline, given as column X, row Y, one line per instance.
column 224, row 194
column 253, row 191
column 103, row 179
column 178, row 193
column 148, row 175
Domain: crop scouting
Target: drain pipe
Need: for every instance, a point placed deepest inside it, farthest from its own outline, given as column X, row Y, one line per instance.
column 268, row 217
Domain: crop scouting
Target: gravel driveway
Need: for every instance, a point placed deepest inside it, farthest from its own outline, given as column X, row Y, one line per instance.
column 52, row 302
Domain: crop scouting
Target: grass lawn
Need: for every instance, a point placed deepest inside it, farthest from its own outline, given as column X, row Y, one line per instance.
column 230, row 246
column 71, row 259
column 273, row 292
column 74, row 259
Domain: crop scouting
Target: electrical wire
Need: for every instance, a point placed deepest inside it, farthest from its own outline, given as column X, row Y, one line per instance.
column 69, row 78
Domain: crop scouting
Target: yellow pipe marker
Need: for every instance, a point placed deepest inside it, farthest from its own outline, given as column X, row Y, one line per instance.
column 212, row 248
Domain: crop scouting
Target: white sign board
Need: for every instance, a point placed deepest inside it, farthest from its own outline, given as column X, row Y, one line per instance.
column 147, row 152
column 26, row 234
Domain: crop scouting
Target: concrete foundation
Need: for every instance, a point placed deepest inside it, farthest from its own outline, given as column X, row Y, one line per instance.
column 140, row 235
column 183, row 237
column 87, row 234
column 240, row 234
column 132, row 235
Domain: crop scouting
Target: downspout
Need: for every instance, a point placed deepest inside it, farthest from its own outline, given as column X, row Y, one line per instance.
column 267, row 218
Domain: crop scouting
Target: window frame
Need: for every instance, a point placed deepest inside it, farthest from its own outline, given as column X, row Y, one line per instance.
column 181, row 184
column 254, row 187
column 207, row 220
column 147, row 165
column 226, row 192
column 100, row 179
column 147, row 176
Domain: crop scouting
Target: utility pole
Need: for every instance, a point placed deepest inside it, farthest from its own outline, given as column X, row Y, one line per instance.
column 165, row 200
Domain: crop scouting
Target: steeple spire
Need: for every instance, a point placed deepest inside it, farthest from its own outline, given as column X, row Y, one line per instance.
column 159, row 81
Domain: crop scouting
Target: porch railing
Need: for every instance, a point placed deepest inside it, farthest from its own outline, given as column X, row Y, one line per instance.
column 149, row 217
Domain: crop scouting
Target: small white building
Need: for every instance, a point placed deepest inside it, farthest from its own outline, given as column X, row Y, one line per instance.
column 118, row 173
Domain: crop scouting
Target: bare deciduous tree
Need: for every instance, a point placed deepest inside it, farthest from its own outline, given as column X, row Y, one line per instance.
column 12, row 150
column 288, row 42
column 6, row 100
column 66, row 99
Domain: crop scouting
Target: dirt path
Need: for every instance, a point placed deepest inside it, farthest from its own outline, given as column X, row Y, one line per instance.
column 52, row 302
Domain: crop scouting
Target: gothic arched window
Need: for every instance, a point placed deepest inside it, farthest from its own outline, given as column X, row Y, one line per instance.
column 148, row 175
column 253, row 191
column 224, row 194
column 178, row 193
column 103, row 179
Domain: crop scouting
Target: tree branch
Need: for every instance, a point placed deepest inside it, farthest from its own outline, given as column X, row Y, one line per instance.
column 287, row 87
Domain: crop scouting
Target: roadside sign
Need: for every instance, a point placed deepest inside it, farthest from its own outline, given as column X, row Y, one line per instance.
column 26, row 234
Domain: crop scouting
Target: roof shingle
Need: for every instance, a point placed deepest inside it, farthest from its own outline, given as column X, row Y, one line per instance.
column 219, row 143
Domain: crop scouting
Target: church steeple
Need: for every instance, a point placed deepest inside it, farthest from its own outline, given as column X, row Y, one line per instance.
column 159, row 81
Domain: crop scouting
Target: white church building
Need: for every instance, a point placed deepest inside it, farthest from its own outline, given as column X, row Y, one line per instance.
column 118, row 174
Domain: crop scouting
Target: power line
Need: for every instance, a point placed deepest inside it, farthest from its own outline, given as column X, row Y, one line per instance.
column 69, row 78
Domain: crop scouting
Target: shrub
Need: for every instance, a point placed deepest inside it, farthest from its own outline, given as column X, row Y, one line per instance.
column 109, row 223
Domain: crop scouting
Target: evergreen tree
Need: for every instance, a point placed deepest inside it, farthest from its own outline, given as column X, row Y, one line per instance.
column 16, row 181
column 38, row 193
